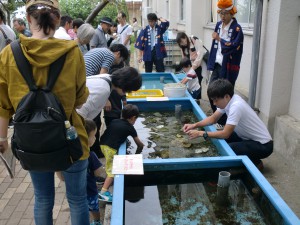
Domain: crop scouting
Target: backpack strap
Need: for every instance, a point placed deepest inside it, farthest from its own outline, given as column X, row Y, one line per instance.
column 7, row 40
column 26, row 69
column 107, row 80
column 54, row 71
column 205, row 48
column 124, row 28
column 23, row 65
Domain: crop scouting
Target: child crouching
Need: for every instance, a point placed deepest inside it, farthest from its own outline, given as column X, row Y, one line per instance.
column 191, row 78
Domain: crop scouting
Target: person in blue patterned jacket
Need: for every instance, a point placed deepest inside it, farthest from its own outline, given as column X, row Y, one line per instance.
column 227, row 48
column 151, row 44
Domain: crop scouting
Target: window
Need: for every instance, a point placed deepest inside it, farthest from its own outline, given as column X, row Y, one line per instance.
column 182, row 10
column 245, row 12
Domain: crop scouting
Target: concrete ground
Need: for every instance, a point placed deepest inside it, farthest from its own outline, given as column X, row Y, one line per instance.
column 16, row 196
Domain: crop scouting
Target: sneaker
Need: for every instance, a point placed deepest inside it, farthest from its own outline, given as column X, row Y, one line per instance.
column 219, row 126
column 105, row 197
column 95, row 223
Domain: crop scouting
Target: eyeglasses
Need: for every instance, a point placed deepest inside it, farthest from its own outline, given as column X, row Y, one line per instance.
column 224, row 13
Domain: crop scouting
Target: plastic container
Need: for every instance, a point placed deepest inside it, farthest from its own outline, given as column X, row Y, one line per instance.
column 71, row 132
column 145, row 93
column 174, row 90
column 224, row 179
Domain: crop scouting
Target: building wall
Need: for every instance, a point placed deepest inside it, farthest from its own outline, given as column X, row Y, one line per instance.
column 135, row 10
column 278, row 75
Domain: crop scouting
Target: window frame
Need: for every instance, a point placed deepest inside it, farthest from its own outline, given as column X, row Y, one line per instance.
column 249, row 25
column 182, row 11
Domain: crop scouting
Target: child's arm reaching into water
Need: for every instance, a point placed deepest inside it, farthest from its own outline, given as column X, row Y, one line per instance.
column 139, row 144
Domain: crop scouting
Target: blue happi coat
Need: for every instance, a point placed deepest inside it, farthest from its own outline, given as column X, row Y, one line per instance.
column 143, row 41
column 232, row 51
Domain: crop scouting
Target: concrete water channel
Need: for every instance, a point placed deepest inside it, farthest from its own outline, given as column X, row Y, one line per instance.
column 261, row 204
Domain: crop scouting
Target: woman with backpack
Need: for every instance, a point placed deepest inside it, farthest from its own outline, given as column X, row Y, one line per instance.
column 41, row 51
column 192, row 48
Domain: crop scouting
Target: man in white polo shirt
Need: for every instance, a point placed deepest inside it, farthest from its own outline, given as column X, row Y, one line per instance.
column 66, row 23
column 244, row 131
column 124, row 31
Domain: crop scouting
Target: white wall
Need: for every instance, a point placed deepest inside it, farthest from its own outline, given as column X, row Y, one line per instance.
column 277, row 63
column 278, row 76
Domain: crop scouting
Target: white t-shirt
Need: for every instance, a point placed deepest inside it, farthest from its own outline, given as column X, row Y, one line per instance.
column 224, row 34
column 99, row 92
column 124, row 34
column 61, row 33
column 9, row 33
column 193, row 81
column 248, row 125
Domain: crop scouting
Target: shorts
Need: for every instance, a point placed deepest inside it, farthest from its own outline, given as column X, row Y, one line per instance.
column 109, row 154
column 196, row 94
column 93, row 203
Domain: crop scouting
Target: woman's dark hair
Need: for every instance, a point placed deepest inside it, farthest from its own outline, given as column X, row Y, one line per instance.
column 129, row 111
column 114, row 24
column 2, row 16
column 77, row 22
column 219, row 88
column 182, row 35
column 47, row 17
column 152, row 17
column 127, row 78
column 134, row 19
column 90, row 126
column 122, row 49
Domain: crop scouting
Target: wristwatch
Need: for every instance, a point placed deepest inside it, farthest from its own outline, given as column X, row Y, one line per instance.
column 205, row 135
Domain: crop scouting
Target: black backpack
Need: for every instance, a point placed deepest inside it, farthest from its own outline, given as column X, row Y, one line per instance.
column 39, row 139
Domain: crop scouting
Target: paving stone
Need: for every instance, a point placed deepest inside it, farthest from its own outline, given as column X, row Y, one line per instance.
column 22, row 188
column 22, row 206
column 63, row 218
column 22, row 173
column 9, row 193
column 16, row 182
column 29, row 193
column 59, row 198
column 3, row 222
column 3, row 187
column 25, row 222
column 56, row 210
column 27, row 178
column 3, row 172
column 15, row 199
column 3, row 203
column 8, row 210
column 28, row 214
column 15, row 218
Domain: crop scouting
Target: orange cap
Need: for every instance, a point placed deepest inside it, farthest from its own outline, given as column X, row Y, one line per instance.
column 226, row 5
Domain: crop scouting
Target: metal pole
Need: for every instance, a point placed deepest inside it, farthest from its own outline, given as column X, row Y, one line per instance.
column 255, row 53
